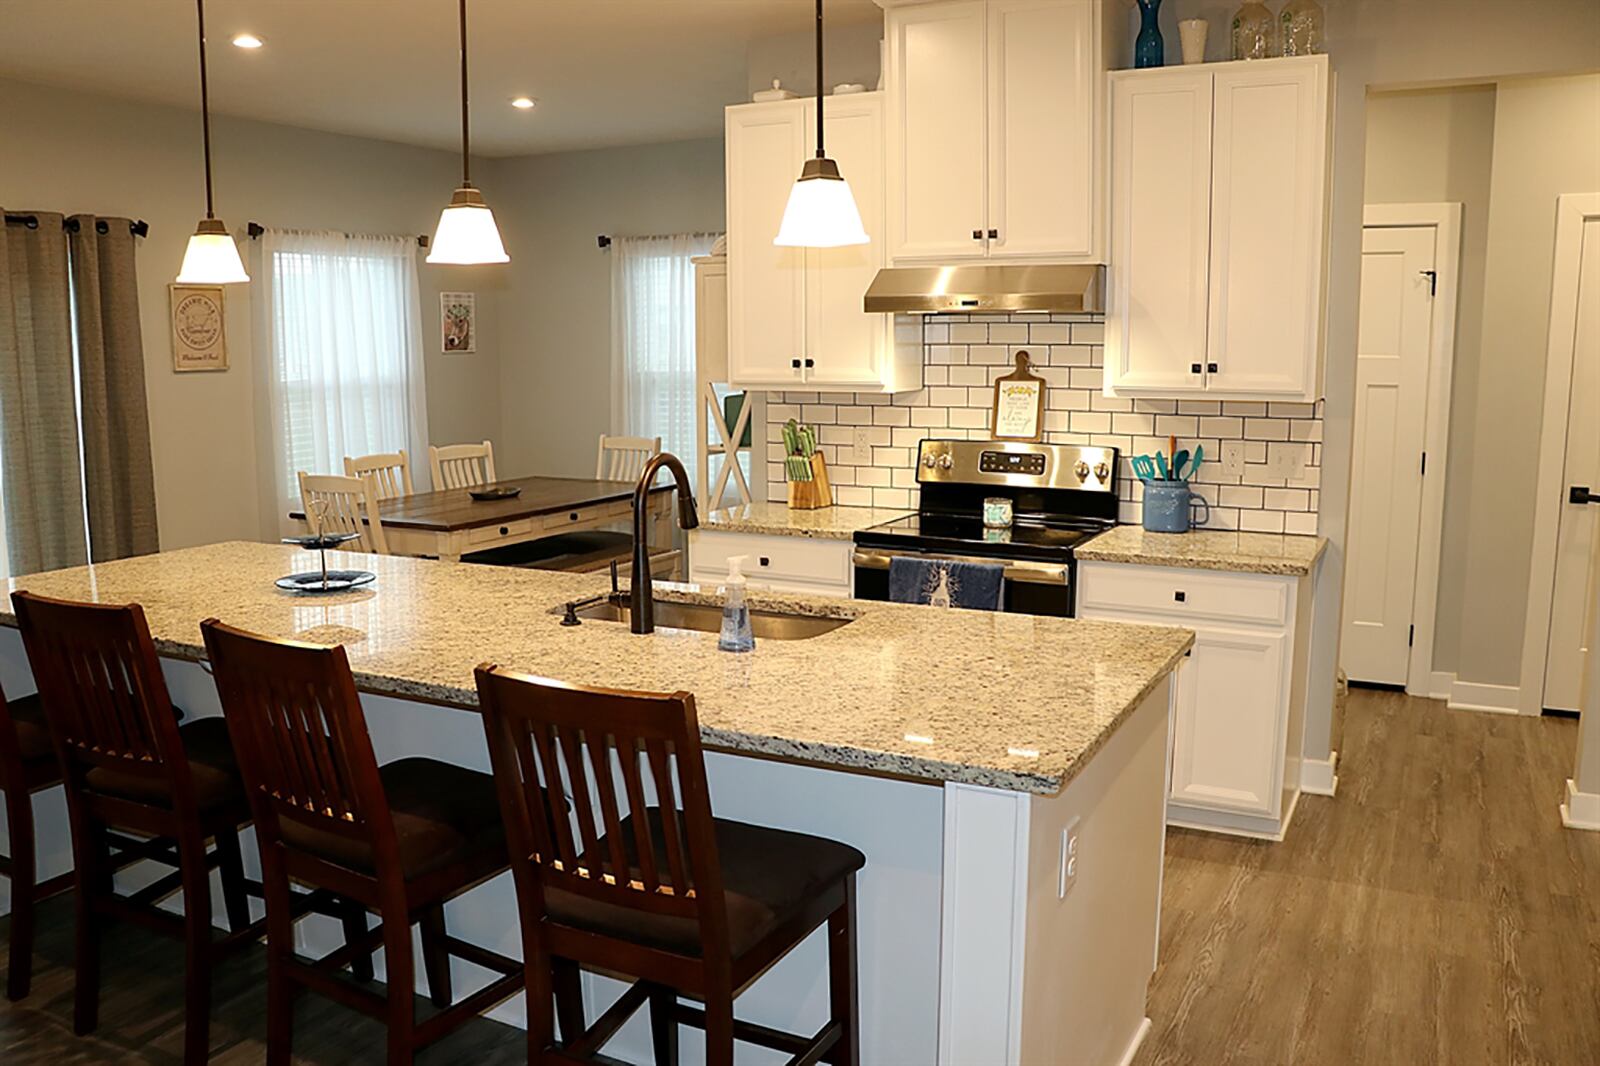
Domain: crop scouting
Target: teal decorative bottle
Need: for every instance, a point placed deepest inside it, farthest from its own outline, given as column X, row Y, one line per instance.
column 1148, row 49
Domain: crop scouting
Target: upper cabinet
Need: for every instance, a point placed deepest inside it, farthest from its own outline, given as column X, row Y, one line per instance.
column 994, row 128
column 795, row 318
column 1218, row 230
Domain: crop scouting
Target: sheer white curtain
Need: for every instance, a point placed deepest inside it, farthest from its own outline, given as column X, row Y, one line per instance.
column 652, row 339
column 338, row 342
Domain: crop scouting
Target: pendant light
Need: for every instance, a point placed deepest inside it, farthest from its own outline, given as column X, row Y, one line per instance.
column 212, row 257
column 822, row 212
column 467, row 234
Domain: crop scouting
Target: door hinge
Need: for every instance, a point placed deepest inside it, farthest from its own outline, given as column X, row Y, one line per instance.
column 1411, row 636
column 1433, row 281
column 1424, row 464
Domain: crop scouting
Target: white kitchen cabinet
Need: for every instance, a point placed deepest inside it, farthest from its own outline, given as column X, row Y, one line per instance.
column 811, row 565
column 1239, row 707
column 995, row 128
column 1218, row 230
column 795, row 317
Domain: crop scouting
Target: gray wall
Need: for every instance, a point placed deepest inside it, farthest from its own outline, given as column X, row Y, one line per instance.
column 1437, row 146
column 555, row 312
column 66, row 151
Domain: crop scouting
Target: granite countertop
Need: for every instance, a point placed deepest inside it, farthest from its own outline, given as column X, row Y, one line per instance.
column 1010, row 701
column 824, row 523
column 1207, row 549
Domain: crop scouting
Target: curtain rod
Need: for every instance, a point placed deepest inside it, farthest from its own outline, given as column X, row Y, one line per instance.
column 139, row 228
column 256, row 229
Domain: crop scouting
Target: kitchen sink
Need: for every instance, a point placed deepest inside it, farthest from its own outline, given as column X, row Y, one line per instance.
column 707, row 618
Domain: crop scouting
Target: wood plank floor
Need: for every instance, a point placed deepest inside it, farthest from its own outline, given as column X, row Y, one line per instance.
column 1434, row 913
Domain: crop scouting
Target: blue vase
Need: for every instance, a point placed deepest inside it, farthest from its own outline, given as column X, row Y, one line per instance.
column 1148, row 50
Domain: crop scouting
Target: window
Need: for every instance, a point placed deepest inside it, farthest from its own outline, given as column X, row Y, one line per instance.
column 652, row 339
column 342, row 321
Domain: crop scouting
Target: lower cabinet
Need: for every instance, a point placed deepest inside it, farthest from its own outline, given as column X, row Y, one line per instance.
column 1239, row 707
column 809, row 565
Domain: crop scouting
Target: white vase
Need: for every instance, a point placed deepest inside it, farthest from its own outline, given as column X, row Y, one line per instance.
column 1192, row 36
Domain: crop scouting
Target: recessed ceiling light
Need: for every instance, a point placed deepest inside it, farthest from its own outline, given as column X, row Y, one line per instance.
column 247, row 40
column 524, row 103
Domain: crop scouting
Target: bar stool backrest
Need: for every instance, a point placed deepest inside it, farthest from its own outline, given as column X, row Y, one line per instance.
column 301, row 739
column 610, row 753
column 103, row 692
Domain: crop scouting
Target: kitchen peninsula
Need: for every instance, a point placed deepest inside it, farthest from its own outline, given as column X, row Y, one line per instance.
column 965, row 753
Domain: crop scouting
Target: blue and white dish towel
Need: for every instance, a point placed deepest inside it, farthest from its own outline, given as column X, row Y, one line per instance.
column 942, row 583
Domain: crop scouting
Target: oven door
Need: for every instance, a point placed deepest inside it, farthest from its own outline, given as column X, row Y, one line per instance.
column 1030, row 588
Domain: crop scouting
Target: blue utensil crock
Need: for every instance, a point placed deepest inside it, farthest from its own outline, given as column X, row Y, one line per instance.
column 1169, row 507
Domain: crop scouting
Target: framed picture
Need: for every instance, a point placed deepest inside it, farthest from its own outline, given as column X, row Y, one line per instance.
column 458, row 322
column 1018, row 404
column 199, row 333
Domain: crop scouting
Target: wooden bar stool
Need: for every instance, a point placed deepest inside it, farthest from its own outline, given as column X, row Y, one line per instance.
column 128, row 766
column 27, row 765
column 402, row 839
column 650, row 884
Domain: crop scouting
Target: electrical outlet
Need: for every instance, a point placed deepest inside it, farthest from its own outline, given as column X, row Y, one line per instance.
column 1233, row 458
column 1069, row 859
column 862, row 449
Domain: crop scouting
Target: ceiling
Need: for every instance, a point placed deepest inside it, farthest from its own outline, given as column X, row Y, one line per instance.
column 604, row 72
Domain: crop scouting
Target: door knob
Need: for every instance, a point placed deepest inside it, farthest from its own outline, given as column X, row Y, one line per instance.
column 1581, row 494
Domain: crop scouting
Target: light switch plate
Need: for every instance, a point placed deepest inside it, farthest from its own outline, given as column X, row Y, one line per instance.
column 1233, row 458
column 862, row 447
column 1285, row 460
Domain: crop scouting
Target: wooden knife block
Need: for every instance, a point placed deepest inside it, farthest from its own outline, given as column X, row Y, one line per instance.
column 810, row 495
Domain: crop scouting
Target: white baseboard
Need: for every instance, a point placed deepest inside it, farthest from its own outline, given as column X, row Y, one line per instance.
column 1134, row 1044
column 1439, row 683
column 1318, row 776
column 1492, row 699
column 1582, row 809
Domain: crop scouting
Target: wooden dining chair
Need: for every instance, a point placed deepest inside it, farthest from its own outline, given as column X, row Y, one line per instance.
column 27, row 765
column 127, row 766
column 401, row 839
column 390, row 472
column 623, row 458
column 339, row 504
column 641, row 880
column 461, row 466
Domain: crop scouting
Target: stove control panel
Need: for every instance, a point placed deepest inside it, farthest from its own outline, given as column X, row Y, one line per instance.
column 1029, row 463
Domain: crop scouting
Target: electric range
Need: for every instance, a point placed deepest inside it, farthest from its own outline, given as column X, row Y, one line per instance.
column 1060, row 495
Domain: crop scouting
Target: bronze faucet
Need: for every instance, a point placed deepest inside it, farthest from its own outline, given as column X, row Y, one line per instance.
column 641, row 592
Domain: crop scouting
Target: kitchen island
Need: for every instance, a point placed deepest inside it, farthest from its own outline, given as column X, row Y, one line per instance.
column 965, row 753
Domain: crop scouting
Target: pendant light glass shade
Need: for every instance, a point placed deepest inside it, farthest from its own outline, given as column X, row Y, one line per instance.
column 822, row 211
column 467, row 233
column 212, row 257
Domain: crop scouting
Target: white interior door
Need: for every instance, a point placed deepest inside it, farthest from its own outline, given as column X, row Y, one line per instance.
column 1392, row 347
column 1578, row 539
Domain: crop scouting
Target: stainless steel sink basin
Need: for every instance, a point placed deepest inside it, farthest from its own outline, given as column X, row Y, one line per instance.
column 768, row 625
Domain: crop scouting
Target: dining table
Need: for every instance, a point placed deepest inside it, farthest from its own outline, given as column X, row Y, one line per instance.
column 449, row 523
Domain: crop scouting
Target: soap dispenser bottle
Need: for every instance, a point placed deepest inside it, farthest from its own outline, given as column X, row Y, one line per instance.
column 736, row 632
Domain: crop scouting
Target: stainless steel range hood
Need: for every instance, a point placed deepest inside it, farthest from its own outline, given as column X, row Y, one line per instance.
column 987, row 287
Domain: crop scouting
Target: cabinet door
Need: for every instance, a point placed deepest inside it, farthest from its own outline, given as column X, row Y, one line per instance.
column 1227, row 748
column 936, row 134
column 1160, row 232
column 848, row 348
column 766, row 284
column 1043, row 63
column 1268, row 162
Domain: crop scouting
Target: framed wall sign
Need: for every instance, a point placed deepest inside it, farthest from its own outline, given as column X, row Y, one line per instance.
column 199, row 333
column 1018, row 404
column 458, row 322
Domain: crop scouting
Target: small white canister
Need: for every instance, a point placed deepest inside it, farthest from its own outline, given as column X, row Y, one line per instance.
column 1192, row 35
column 997, row 512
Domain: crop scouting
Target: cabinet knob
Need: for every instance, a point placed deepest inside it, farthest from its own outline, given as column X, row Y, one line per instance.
column 765, row 561
column 795, row 363
column 504, row 531
column 1195, row 368
column 1211, row 368
column 977, row 234
column 994, row 235
column 810, row 363
column 1180, row 596
column 573, row 517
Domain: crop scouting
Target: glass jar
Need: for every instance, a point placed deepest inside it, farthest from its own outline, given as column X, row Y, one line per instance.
column 1255, row 32
column 1300, row 26
column 997, row 512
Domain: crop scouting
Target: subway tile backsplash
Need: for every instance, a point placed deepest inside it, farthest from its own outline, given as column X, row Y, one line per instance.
column 870, row 439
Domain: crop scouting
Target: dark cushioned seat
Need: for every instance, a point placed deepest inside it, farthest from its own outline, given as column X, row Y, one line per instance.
column 33, row 735
column 212, row 766
column 442, row 813
column 768, row 877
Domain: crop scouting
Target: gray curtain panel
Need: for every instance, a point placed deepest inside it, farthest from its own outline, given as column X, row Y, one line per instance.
column 38, row 411
column 118, row 480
